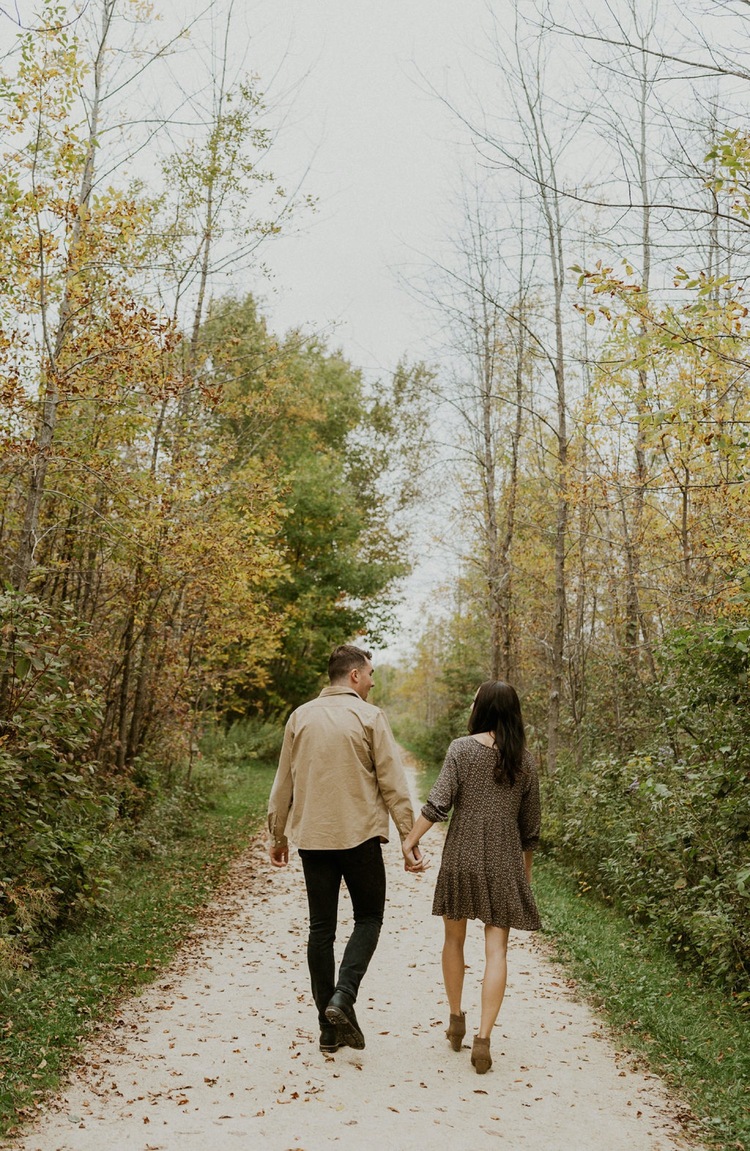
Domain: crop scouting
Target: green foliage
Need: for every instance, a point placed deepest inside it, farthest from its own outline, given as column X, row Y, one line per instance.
column 430, row 742
column 223, row 584
column 249, row 740
column 695, row 1037
column 666, row 832
column 658, row 838
column 306, row 413
column 67, row 828
column 48, row 1008
column 54, row 813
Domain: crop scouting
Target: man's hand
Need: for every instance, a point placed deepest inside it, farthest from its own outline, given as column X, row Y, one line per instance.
column 414, row 860
column 279, row 856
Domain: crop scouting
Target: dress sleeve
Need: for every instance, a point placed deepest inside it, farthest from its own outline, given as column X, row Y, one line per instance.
column 530, row 813
column 444, row 791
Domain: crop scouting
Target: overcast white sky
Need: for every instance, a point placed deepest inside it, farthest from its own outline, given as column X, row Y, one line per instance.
column 384, row 158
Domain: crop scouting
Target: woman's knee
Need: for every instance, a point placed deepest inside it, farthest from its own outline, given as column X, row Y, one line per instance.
column 496, row 939
column 455, row 931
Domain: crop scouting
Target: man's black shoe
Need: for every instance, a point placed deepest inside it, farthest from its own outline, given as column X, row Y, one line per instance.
column 340, row 1012
column 329, row 1039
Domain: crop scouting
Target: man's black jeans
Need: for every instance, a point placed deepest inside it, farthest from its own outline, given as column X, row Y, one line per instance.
column 363, row 872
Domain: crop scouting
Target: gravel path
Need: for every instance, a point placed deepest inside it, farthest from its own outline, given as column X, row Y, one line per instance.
column 221, row 1051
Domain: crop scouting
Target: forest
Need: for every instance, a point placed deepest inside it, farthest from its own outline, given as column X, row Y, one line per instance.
column 191, row 508
column 594, row 382
column 195, row 508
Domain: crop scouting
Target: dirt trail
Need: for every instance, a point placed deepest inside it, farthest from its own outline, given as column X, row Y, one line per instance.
column 221, row 1051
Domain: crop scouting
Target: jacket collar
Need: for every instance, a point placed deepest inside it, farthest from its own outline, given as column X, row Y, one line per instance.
column 335, row 690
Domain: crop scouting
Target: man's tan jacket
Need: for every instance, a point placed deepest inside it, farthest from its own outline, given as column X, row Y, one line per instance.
column 339, row 775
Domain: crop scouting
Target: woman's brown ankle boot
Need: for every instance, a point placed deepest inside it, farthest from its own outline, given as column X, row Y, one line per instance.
column 480, row 1055
column 456, row 1030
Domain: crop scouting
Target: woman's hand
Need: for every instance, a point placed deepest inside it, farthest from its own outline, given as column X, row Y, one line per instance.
column 414, row 859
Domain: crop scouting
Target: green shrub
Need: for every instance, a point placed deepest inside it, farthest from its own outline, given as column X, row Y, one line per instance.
column 252, row 739
column 665, row 834
column 654, row 837
column 54, row 812
column 68, row 826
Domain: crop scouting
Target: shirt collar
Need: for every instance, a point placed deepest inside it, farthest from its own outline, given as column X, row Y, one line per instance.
column 334, row 690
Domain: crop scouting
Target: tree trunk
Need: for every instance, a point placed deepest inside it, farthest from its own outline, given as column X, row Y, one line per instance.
column 51, row 370
column 635, row 620
column 508, row 661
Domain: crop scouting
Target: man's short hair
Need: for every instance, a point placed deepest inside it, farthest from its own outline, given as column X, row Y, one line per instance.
column 344, row 659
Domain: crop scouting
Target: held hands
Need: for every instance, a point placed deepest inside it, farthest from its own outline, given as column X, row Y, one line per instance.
column 414, row 859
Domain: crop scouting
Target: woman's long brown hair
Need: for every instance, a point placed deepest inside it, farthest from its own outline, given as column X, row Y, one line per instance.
column 497, row 709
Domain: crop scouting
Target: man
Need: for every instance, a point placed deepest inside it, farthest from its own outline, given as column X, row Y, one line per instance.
column 339, row 776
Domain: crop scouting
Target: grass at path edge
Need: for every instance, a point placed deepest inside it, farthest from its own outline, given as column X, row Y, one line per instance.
column 47, row 1012
column 695, row 1037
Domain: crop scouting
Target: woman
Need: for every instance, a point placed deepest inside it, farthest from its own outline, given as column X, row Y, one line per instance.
column 489, row 780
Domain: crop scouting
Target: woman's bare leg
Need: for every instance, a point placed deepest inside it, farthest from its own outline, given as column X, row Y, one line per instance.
column 453, row 962
column 495, row 975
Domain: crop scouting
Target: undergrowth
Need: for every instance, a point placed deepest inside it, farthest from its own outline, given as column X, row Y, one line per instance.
column 695, row 1036
column 175, row 862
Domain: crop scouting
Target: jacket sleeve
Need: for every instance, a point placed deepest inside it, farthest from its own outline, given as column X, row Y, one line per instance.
column 280, row 799
column 530, row 813
column 444, row 790
column 392, row 781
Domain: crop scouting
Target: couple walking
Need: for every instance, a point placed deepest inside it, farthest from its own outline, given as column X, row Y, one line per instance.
column 340, row 775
